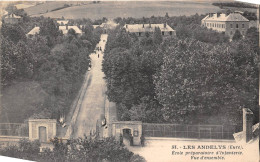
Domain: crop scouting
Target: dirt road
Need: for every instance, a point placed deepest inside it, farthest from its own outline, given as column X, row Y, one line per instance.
column 92, row 104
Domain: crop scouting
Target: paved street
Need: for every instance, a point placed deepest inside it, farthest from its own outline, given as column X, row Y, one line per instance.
column 92, row 104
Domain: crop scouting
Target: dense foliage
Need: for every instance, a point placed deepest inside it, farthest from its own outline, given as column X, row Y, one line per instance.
column 197, row 77
column 198, row 81
column 55, row 61
column 78, row 150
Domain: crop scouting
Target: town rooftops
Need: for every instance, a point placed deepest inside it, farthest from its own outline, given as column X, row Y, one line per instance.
column 224, row 17
column 146, row 27
column 65, row 29
column 34, row 31
column 62, row 22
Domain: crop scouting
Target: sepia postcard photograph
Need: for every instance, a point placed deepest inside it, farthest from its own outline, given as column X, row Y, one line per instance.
column 129, row 81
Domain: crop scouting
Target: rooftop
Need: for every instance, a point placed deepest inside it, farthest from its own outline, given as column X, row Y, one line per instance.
column 146, row 27
column 224, row 17
column 13, row 16
column 65, row 30
column 63, row 22
column 34, row 31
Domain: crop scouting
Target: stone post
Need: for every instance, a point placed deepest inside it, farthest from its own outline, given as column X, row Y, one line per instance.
column 247, row 124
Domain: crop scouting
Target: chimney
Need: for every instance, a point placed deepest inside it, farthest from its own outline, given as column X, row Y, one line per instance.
column 143, row 25
column 165, row 25
column 247, row 124
column 67, row 27
column 126, row 25
column 150, row 26
column 210, row 14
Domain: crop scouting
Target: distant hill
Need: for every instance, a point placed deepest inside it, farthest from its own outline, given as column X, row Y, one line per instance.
column 113, row 9
column 234, row 4
column 51, row 6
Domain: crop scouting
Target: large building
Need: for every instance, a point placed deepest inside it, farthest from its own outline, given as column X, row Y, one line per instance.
column 63, row 29
column 226, row 23
column 141, row 29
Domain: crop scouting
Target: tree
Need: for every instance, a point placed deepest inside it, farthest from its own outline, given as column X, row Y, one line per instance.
column 48, row 28
column 148, row 110
column 252, row 36
column 13, row 32
column 81, row 149
column 167, row 15
column 157, row 36
column 198, row 80
column 237, row 35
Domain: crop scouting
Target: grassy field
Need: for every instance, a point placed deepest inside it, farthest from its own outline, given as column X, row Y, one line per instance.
column 49, row 6
column 114, row 9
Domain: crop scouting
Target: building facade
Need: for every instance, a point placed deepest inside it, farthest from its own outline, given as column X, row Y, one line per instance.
column 227, row 24
column 141, row 29
column 63, row 29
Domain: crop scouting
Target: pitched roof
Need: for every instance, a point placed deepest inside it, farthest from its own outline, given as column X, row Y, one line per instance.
column 224, row 17
column 13, row 16
column 34, row 31
column 64, row 22
column 65, row 30
column 146, row 27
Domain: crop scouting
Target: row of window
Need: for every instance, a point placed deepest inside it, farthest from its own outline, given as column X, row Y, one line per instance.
column 231, row 25
column 216, row 25
column 162, row 33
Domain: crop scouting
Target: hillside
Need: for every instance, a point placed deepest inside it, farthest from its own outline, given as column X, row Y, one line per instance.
column 49, row 6
column 114, row 9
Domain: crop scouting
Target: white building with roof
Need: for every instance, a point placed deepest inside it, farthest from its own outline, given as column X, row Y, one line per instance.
column 141, row 29
column 33, row 32
column 12, row 19
column 65, row 29
column 226, row 23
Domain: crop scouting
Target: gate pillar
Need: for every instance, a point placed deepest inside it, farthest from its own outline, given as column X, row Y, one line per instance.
column 135, row 128
column 36, row 124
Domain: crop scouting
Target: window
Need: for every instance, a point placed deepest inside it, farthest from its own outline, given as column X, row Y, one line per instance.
column 237, row 26
column 139, row 33
column 231, row 26
column 170, row 32
column 243, row 25
column 162, row 33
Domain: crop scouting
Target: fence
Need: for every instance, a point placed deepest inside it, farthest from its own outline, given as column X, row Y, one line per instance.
column 14, row 129
column 190, row 131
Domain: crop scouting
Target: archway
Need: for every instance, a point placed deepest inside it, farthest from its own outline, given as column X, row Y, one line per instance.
column 127, row 136
column 42, row 134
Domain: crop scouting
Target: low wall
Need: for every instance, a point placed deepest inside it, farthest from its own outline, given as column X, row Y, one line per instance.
column 10, row 140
